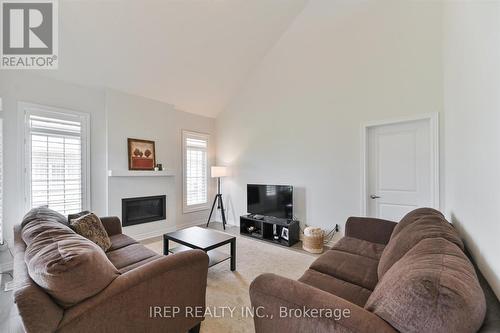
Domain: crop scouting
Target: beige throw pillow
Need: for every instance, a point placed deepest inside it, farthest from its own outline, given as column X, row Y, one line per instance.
column 91, row 227
column 77, row 215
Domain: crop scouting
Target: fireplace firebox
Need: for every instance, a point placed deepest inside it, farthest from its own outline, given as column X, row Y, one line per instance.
column 143, row 209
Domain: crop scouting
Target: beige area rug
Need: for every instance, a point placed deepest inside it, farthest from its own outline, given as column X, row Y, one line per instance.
column 230, row 289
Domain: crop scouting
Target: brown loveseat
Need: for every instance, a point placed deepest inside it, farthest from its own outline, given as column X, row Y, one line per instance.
column 411, row 276
column 79, row 288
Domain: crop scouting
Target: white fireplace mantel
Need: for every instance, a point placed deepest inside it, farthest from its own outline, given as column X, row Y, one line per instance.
column 137, row 173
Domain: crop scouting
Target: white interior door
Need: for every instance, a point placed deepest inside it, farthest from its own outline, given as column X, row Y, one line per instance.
column 400, row 169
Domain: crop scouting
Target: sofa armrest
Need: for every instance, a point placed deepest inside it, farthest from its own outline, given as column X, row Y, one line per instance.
column 37, row 310
column 112, row 225
column 136, row 301
column 287, row 306
column 369, row 229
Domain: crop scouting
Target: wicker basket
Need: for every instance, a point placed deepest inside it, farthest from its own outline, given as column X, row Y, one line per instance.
column 313, row 240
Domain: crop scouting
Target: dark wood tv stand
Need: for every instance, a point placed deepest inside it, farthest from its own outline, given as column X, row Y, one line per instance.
column 264, row 229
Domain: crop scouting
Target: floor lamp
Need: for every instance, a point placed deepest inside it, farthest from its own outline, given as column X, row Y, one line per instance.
column 218, row 172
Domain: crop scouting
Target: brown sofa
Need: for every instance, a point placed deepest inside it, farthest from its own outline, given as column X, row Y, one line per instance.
column 79, row 288
column 411, row 276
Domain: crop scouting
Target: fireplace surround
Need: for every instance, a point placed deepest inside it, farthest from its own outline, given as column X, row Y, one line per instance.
column 143, row 209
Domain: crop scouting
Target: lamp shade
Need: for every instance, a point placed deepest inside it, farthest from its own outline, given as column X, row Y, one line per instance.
column 218, row 171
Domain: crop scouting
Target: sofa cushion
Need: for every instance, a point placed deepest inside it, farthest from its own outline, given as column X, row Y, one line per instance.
column 348, row 291
column 120, row 240
column 43, row 214
column 349, row 267
column 138, row 264
column 433, row 288
column 68, row 267
column 45, row 230
column 129, row 255
column 359, row 247
column 430, row 226
column 414, row 216
column 91, row 227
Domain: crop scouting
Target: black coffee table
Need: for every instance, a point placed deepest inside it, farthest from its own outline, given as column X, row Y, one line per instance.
column 203, row 239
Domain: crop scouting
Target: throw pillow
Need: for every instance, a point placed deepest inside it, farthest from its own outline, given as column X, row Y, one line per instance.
column 91, row 227
column 77, row 215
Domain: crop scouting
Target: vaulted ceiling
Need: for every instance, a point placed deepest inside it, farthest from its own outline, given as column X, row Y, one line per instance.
column 194, row 54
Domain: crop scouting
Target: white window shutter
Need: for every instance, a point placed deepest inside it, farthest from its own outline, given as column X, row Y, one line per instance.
column 195, row 170
column 55, row 164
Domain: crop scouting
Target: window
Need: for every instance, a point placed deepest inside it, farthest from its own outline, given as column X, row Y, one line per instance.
column 56, row 159
column 195, row 151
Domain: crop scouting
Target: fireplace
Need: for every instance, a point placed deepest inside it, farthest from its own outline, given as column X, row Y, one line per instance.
column 143, row 209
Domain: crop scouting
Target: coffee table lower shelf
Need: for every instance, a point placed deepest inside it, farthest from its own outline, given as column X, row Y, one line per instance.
column 214, row 257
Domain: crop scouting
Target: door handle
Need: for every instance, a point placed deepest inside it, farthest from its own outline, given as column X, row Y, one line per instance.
column 373, row 196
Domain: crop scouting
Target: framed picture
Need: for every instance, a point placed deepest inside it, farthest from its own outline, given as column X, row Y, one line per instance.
column 141, row 154
column 284, row 233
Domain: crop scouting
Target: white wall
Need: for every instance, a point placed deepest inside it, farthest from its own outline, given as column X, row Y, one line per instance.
column 132, row 116
column 17, row 86
column 298, row 119
column 472, row 107
column 113, row 117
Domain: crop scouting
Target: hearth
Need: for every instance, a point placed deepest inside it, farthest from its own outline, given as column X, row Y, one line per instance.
column 143, row 209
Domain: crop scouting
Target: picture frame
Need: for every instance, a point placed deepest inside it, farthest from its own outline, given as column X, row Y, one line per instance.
column 141, row 154
column 284, row 233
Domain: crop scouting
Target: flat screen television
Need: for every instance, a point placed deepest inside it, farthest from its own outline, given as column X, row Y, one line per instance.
column 270, row 200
